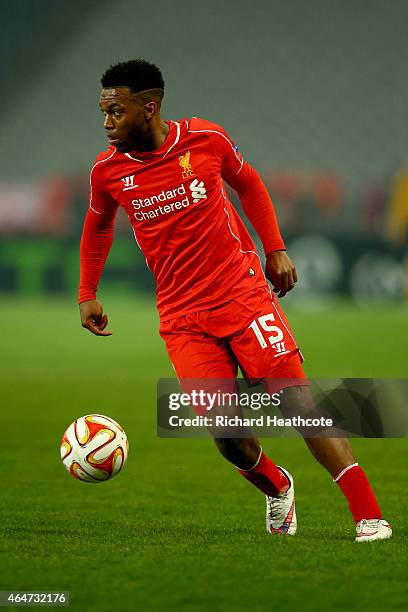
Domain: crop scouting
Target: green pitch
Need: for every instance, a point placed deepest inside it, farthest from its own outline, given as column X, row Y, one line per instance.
column 179, row 529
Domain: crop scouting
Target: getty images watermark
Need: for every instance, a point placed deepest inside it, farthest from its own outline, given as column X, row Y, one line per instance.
column 312, row 408
column 211, row 402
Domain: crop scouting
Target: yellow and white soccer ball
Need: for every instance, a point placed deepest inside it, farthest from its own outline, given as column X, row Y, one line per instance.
column 94, row 448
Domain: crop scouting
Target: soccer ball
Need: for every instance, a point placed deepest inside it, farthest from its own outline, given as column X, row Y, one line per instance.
column 94, row 448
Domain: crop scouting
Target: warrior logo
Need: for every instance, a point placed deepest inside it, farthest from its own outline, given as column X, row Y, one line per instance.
column 129, row 183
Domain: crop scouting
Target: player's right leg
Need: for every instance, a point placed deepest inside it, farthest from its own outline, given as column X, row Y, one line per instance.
column 199, row 358
column 274, row 481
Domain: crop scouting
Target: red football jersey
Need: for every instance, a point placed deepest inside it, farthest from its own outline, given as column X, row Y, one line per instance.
column 194, row 241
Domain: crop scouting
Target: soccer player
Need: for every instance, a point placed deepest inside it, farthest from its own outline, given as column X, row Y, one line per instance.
column 217, row 311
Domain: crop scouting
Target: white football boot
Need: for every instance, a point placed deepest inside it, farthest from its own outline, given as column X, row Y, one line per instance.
column 280, row 510
column 369, row 530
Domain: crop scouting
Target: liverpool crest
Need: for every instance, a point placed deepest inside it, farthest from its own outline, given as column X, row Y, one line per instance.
column 184, row 161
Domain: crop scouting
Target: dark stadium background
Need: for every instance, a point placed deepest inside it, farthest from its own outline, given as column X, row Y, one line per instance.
column 315, row 95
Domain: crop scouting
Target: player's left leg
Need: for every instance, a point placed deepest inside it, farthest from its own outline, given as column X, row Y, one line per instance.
column 336, row 455
column 333, row 453
column 266, row 349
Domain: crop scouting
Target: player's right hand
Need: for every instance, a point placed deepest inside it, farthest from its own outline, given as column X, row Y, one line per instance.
column 93, row 319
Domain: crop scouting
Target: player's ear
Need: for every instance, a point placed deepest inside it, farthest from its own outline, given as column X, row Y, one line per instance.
column 151, row 108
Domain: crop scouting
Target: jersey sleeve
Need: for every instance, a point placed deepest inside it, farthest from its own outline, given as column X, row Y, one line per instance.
column 97, row 237
column 100, row 201
column 258, row 207
column 256, row 202
column 231, row 160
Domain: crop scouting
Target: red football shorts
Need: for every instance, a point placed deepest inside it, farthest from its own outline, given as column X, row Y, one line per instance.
column 250, row 332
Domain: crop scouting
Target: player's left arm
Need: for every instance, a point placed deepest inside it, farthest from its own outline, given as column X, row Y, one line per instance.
column 258, row 207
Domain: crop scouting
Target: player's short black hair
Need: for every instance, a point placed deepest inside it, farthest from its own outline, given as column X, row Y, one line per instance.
column 136, row 74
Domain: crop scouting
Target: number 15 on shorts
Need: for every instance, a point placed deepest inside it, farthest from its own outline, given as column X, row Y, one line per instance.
column 266, row 332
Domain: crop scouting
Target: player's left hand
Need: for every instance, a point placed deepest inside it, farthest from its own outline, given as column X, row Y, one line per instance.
column 281, row 272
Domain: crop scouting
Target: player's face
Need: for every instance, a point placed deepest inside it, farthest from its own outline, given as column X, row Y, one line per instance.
column 126, row 118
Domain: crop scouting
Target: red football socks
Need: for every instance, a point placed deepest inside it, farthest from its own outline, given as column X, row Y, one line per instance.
column 266, row 476
column 357, row 490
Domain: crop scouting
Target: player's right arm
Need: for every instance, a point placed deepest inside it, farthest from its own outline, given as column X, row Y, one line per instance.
column 96, row 241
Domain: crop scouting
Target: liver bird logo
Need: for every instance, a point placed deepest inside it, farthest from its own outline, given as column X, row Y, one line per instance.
column 184, row 161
